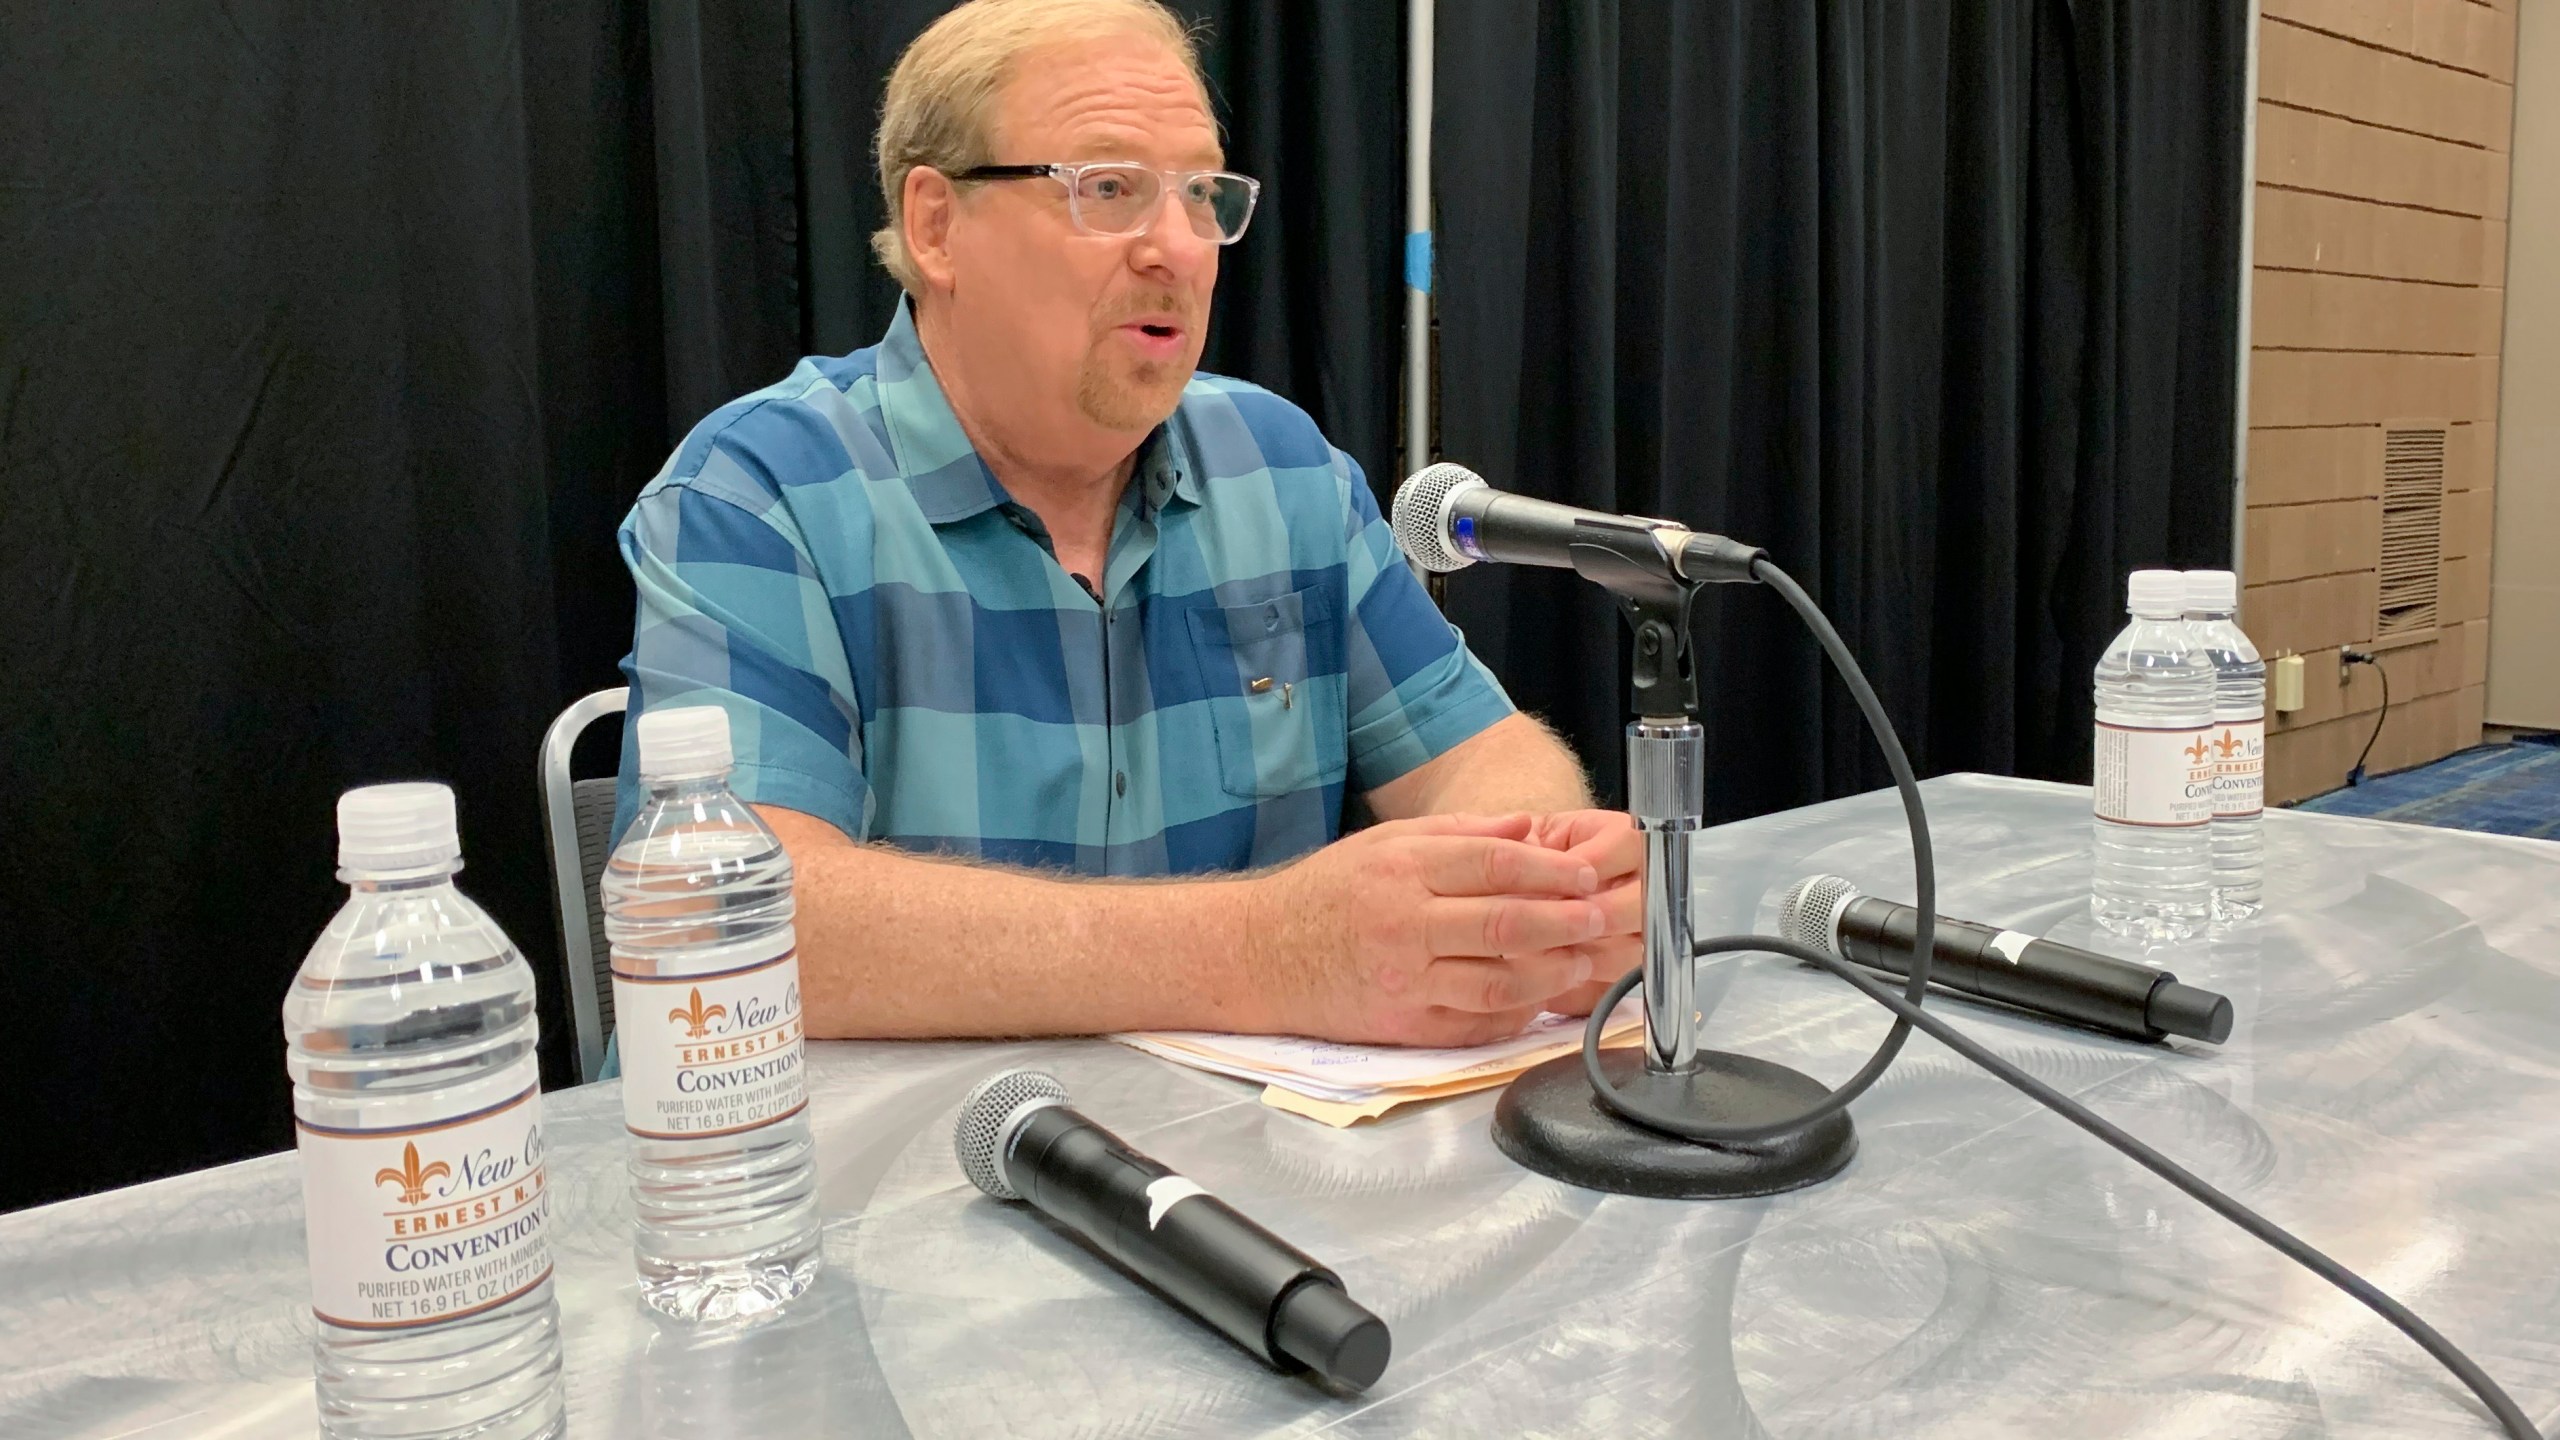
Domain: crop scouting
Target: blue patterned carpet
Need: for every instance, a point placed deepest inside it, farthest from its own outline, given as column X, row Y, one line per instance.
column 2503, row 789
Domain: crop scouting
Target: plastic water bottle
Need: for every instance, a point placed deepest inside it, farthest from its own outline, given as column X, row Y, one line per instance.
column 410, row 1036
column 2239, row 744
column 706, row 1004
column 2153, row 779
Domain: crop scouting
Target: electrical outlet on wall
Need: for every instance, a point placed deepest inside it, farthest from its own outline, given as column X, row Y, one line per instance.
column 2286, row 683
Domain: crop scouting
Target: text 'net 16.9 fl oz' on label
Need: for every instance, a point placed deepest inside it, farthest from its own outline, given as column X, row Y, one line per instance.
column 713, row 1054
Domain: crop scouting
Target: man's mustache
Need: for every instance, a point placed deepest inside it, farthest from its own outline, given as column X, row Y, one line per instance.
column 1151, row 310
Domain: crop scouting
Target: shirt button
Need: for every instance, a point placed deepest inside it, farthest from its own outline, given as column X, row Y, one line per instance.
column 1120, row 782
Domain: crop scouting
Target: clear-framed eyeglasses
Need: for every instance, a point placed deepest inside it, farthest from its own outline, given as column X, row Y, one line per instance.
column 1120, row 198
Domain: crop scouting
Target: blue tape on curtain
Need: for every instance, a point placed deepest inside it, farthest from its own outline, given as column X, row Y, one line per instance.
column 1417, row 261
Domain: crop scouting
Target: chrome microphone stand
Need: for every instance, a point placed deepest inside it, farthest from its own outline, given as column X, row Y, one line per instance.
column 1549, row 1119
column 1666, row 794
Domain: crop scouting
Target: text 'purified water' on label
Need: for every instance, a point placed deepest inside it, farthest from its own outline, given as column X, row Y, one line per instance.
column 2154, row 777
column 425, row 1223
column 710, row 1055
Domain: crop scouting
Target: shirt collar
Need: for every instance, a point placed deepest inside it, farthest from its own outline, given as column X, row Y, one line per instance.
column 942, row 469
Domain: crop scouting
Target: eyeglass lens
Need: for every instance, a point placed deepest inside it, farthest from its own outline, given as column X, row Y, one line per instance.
column 1121, row 199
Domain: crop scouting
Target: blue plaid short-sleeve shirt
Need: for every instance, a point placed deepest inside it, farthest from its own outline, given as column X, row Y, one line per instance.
column 902, row 656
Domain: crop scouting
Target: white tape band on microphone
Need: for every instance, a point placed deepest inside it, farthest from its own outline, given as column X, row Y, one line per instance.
column 1164, row 1192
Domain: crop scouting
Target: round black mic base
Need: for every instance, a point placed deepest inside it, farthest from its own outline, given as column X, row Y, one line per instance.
column 1550, row 1122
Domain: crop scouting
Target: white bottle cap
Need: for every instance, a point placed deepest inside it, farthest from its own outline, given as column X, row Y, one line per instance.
column 685, row 741
column 2212, row 590
column 2156, row 593
column 396, row 827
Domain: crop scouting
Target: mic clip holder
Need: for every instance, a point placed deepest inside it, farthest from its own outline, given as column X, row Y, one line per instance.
column 1654, row 570
column 1638, row 571
column 1549, row 1120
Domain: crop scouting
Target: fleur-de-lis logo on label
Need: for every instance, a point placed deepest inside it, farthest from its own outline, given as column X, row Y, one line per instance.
column 2227, row 744
column 2196, row 752
column 410, row 1177
column 697, row 1016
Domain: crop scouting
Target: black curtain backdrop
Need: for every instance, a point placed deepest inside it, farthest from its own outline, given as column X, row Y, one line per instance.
column 1933, row 298
column 334, row 340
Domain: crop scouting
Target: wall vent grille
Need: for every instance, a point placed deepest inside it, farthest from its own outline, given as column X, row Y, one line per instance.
column 2412, row 563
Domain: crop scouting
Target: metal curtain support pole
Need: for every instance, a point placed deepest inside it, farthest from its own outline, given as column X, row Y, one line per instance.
column 1417, row 235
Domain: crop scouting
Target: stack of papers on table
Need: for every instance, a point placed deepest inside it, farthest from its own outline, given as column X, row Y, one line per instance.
column 1340, row 1083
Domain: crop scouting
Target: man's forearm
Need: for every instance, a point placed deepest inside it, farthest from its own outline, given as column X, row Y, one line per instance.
column 1515, row 764
column 899, row 946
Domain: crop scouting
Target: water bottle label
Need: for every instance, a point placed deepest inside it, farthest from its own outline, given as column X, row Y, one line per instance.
column 706, row 1055
column 2154, row 777
column 2239, row 768
column 427, row 1223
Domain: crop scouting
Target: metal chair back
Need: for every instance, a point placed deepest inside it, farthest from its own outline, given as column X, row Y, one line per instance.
column 578, row 823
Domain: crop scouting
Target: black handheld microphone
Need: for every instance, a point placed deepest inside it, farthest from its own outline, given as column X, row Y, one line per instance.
column 1017, row 1140
column 2049, row 978
column 1447, row 518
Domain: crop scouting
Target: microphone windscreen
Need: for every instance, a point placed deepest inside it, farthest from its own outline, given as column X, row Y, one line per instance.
column 1810, row 915
column 987, row 1121
column 1421, row 515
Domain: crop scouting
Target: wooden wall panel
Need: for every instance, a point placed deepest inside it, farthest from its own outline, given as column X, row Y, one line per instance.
column 2300, row 310
column 2304, row 615
column 2381, row 250
column 2298, row 230
column 2307, row 150
column 2294, row 542
column 2349, row 387
column 2457, row 34
column 2297, row 466
column 2310, row 70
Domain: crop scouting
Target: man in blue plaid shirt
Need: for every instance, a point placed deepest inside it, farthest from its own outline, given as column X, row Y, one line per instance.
column 1015, row 616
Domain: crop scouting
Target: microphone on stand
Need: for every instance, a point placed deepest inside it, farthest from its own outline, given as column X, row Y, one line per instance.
column 2013, row 968
column 1692, row 1123
column 1017, row 1140
column 1680, row 1120
column 1447, row 518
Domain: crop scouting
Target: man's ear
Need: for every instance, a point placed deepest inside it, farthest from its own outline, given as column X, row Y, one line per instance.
column 931, row 206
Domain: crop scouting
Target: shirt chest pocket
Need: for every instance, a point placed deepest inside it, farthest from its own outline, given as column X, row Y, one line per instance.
column 1271, row 674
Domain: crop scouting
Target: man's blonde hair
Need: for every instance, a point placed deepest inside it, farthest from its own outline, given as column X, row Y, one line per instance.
column 940, row 108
